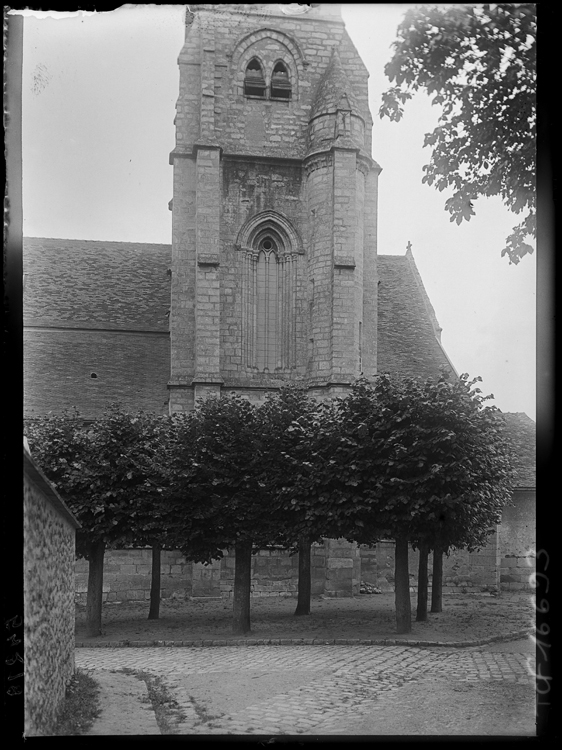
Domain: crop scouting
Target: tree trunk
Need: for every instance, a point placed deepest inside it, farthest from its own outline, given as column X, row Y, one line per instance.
column 242, row 588
column 154, row 611
column 402, row 587
column 305, row 583
column 437, row 583
column 94, row 598
column 421, row 614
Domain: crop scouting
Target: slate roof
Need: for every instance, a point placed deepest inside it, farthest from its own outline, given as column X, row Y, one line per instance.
column 522, row 431
column 96, row 284
column 124, row 286
column 408, row 331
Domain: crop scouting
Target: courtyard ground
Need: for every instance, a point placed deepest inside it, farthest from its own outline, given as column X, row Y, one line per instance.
column 465, row 618
column 315, row 690
column 340, row 671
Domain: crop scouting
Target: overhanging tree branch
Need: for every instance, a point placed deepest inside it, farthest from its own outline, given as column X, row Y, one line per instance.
column 479, row 62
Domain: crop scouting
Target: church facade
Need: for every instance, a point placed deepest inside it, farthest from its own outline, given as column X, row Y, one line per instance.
column 273, row 274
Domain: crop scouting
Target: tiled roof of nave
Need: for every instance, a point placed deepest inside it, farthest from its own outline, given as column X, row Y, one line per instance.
column 407, row 339
column 96, row 284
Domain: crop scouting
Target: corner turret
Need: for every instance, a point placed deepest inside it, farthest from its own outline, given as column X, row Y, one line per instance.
column 334, row 115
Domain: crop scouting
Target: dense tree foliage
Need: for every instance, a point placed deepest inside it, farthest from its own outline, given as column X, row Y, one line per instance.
column 418, row 462
column 299, row 434
column 218, row 500
column 423, row 463
column 106, row 473
column 479, row 63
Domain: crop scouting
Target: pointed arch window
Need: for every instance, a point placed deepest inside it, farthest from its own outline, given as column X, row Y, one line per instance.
column 280, row 82
column 270, row 252
column 254, row 79
column 266, row 303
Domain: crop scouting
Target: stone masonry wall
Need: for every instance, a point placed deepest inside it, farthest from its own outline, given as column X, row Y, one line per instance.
column 249, row 188
column 517, row 541
column 255, row 135
column 48, row 608
column 462, row 572
column 127, row 574
column 274, row 573
column 338, row 567
column 218, row 48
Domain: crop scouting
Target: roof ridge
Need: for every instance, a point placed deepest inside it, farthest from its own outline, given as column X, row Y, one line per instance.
column 425, row 297
column 112, row 242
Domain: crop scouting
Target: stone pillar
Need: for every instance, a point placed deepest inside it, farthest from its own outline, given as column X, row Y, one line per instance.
column 319, row 187
column 207, row 279
column 318, row 569
column 205, row 579
column 182, row 308
column 347, row 221
column 342, row 568
column 370, row 275
column 485, row 564
column 385, row 565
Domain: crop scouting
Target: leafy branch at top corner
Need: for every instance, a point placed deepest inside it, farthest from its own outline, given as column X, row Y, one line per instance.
column 479, row 64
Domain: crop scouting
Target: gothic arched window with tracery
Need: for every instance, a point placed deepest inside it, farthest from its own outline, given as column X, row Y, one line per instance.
column 269, row 284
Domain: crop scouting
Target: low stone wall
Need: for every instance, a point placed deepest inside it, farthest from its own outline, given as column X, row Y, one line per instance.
column 343, row 568
column 49, row 550
column 274, row 573
column 462, row 571
column 127, row 574
column 338, row 567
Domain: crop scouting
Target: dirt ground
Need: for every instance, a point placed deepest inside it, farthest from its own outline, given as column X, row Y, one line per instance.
column 465, row 617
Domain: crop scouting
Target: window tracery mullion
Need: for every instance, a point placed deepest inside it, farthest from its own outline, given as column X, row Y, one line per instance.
column 245, row 308
column 275, row 321
column 253, row 309
column 282, row 307
column 281, row 313
column 266, row 309
column 286, row 309
column 294, row 259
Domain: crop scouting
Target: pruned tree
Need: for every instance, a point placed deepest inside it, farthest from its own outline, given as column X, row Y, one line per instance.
column 479, row 64
column 299, row 436
column 105, row 473
column 472, row 506
column 218, row 501
column 425, row 462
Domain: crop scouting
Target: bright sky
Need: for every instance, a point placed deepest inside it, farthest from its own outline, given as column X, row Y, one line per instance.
column 99, row 94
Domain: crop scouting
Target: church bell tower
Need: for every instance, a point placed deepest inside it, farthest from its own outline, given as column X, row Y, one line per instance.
column 274, row 274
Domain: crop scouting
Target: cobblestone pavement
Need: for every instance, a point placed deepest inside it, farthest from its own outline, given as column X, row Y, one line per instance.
column 304, row 689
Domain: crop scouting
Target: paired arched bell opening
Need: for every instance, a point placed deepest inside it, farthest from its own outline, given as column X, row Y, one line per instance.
column 256, row 85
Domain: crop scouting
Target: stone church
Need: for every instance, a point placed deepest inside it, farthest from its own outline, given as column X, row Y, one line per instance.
column 273, row 273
